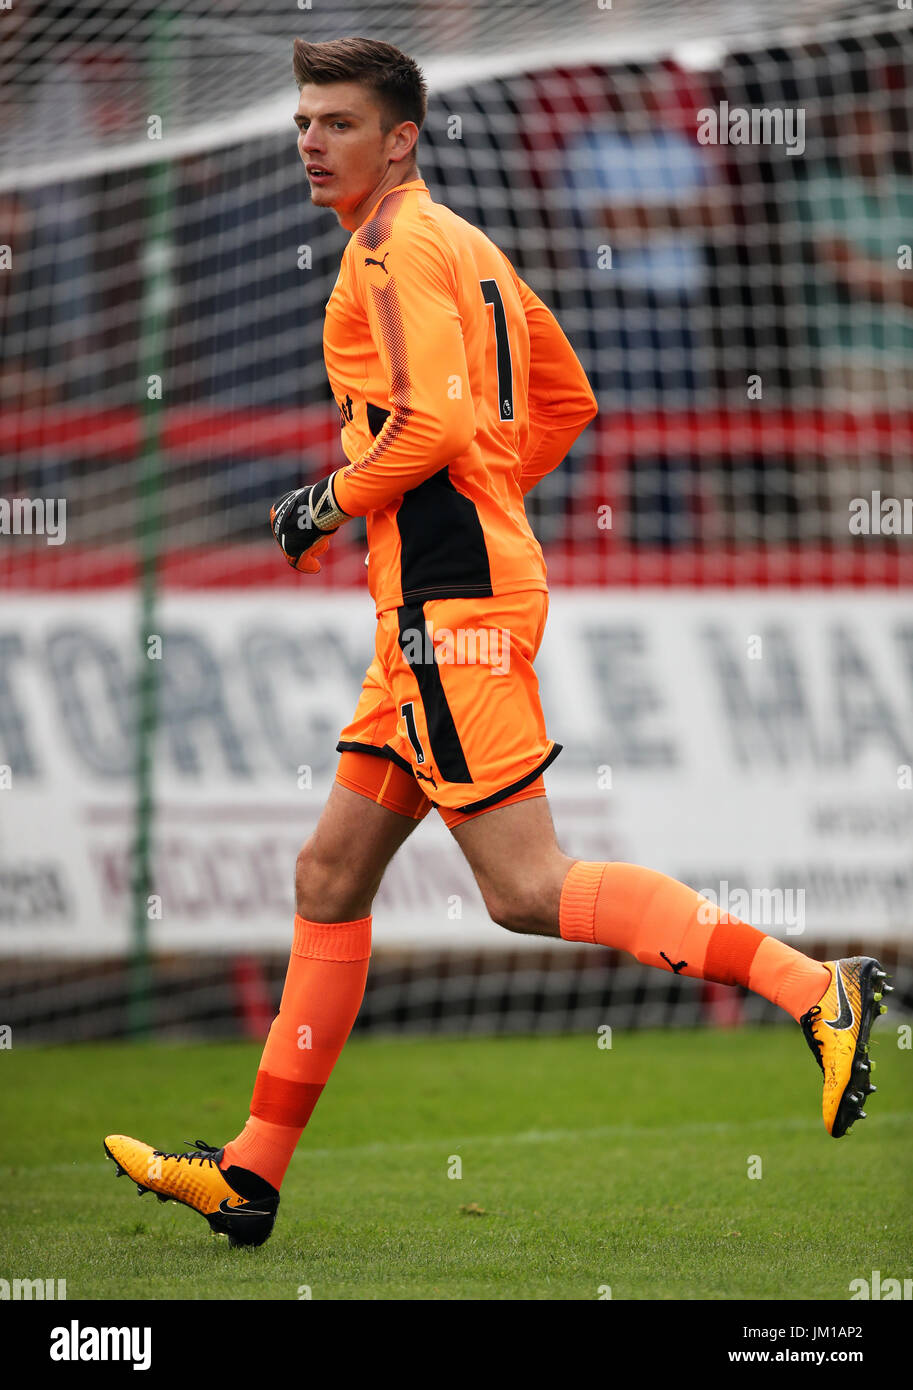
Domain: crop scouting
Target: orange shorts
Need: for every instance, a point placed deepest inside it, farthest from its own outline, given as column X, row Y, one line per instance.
column 452, row 700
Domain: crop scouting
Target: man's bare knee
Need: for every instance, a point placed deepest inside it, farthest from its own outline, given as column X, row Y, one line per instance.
column 326, row 889
column 523, row 911
column 518, row 865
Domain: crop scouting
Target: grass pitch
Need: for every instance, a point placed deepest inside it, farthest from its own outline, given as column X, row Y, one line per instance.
column 580, row 1168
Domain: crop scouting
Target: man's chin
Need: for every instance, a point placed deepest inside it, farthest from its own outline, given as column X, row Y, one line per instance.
column 325, row 195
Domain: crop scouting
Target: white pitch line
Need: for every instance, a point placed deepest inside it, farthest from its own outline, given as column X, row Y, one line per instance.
column 559, row 1136
column 530, row 1136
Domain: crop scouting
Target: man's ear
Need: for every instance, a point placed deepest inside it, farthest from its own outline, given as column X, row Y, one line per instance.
column 406, row 141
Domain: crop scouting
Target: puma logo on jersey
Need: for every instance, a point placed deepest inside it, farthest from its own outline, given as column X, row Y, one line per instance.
column 369, row 260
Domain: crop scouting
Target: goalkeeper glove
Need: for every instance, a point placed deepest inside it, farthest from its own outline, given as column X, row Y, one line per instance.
column 302, row 522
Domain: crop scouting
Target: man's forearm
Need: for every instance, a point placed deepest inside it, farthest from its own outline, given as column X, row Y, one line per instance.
column 406, row 452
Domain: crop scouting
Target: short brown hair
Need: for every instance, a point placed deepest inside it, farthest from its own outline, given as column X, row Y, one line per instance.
column 395, row 79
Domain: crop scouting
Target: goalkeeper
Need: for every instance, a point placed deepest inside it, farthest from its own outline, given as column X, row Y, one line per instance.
column 457, row 392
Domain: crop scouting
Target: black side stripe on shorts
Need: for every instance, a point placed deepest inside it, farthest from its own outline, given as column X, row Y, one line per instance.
column 446, row 749
column 488, row 801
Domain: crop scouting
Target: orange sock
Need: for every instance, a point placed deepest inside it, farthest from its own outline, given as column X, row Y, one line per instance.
column 323, row 991
column 664, row 923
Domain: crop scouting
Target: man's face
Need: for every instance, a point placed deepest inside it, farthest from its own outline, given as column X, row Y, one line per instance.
column 342, row 146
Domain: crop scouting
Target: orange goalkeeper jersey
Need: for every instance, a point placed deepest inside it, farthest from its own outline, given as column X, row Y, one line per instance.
column 457, row 392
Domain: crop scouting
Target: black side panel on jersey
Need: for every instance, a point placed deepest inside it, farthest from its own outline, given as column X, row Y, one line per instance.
column 446, row 749
column 443, row 552
column 376, row 418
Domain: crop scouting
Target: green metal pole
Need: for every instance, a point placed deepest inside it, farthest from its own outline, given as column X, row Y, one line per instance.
column 153, row 385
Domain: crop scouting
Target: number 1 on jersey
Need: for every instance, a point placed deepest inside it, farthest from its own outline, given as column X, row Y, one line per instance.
column 492, row 295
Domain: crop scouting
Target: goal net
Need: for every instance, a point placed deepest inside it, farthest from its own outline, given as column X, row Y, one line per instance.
column 717, row 201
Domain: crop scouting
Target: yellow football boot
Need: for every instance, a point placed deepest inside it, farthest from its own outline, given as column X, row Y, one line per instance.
column 236, row 1202
column 837, row 1031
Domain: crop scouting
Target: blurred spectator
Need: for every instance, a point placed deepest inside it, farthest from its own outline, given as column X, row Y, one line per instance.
column 641, row 185
column 857, row 212
column 644, row 199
